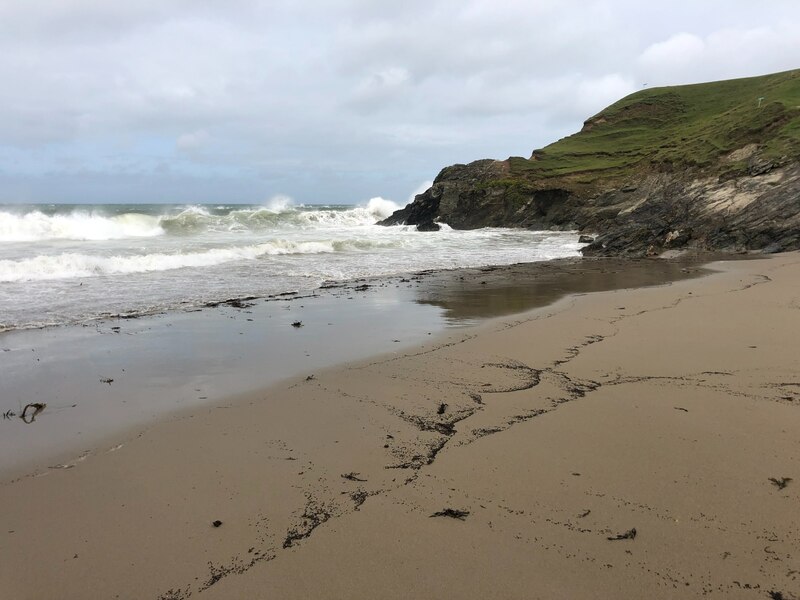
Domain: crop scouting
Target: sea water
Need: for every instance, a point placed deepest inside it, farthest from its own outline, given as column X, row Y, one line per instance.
column 63, row 264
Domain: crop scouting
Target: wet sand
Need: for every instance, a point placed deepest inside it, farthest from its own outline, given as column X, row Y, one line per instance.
column 103, row 379
column 629, row 443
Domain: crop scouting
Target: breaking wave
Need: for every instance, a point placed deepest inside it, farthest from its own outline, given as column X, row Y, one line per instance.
column 76, row 265
column 36, row 225
column 83, row 225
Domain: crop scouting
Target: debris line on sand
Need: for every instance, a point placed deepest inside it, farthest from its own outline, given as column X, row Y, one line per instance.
column 628, row 535
column 453, row 513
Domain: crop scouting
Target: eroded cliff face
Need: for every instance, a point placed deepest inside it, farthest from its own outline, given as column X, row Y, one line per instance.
column 758, row 209
column 481, row 194
column 759, row 212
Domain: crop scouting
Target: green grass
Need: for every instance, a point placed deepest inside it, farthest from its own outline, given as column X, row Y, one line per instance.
column 679, row 127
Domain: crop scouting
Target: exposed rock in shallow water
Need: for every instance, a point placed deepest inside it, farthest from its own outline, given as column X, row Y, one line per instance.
column 665, row 211
column 429, row 226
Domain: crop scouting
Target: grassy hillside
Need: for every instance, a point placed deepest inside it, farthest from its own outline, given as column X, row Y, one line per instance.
column 679, row 127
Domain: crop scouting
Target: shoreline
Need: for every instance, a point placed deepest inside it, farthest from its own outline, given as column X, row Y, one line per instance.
column 118, row 375
column 540, row 438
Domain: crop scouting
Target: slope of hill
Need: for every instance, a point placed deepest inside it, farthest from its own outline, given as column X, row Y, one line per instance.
column 710, row 166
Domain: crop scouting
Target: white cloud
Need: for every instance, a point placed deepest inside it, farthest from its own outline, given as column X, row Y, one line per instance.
column 675, row 53
column 722, row 54
column 380, row 88
column 334, row 100
column 193, row 141
column 594, row 93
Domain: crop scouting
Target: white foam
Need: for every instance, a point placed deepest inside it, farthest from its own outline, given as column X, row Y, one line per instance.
column 76, row 265
column 380, row 208
column 37, row 226
column 376, row 209
column 280, row 203
column 279, row 213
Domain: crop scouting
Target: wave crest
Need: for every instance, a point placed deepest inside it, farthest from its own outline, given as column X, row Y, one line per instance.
column 76, row 265
column 380, row 208
column 35, row 226
column 278, row 214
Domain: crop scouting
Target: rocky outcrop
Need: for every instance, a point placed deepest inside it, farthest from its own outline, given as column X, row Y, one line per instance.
column 757, row 210
column 690, row 167
column 480, row 194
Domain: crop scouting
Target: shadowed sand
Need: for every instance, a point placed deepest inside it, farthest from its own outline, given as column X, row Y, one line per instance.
column 637, row 443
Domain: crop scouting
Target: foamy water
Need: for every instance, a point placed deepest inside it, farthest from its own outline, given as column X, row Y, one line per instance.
column 64, row 264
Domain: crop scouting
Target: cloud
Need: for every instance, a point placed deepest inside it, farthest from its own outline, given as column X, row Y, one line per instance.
column 193, row 141
column 722, row 54
column 601, row 91
column 675, row 53
column 340, row 99
column 380, row 88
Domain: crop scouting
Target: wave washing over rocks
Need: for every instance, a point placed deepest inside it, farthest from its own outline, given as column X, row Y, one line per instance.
column 64, row 264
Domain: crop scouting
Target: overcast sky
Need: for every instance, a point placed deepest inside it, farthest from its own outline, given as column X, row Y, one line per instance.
column 337, row 100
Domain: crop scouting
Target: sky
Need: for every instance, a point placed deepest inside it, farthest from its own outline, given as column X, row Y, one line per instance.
column 337, row 101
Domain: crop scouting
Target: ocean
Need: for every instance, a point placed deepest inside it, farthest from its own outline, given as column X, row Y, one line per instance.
column 66, row 264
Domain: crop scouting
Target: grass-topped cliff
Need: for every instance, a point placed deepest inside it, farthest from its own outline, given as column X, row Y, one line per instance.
column 711, row 165
column 679, row 127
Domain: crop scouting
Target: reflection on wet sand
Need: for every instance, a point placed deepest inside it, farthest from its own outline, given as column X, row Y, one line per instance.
column 477, row 294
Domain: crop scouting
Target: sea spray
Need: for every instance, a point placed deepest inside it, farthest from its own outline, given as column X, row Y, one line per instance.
column 65, row 264
column 93, row 224
column 78, row 225
column 77, row 266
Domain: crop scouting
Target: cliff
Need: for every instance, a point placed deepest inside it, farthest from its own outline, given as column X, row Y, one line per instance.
column 713, row 166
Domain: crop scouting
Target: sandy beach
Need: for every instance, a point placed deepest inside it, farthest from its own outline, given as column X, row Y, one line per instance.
column 638, row 443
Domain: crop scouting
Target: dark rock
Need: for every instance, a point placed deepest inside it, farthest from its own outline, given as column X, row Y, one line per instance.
column 760, row 166
column 428, row 226
column 677, row 238
column 216, row 523
column 668, row 211
column 585, row 239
